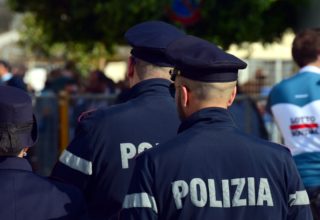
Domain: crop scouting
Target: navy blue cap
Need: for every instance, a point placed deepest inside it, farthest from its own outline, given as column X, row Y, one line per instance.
column 149, row 40
column 16, row 117
column 200, row 60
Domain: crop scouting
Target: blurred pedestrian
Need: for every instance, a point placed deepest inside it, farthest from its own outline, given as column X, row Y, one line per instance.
column 247, row 116
column 257, row 85
column 295, row 104
column 7, row 78
column 99, row 83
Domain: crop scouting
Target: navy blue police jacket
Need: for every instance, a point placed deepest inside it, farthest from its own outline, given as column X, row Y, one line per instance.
column 212, row 170
column 25, row 195
column 101, row 157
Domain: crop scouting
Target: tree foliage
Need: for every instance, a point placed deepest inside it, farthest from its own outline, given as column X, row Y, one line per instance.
column 87, row 22
column 231, row 21
column 83, row 24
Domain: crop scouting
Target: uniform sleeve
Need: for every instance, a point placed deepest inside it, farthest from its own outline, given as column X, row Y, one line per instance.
column 298, row 200
column 75, row 165
column 140, row 202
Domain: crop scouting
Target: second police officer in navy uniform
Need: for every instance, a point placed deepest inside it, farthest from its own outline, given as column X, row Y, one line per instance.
column 24, row 194
column 212, row 170
column 100, row 159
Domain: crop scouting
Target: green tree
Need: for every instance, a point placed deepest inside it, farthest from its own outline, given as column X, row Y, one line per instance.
column 98, row 25
column 238, row 21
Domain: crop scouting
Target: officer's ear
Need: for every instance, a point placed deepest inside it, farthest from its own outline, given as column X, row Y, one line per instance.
column 185, row 96
column 131, row 63
column 232, row 97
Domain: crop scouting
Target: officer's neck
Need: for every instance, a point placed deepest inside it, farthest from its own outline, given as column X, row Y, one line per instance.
column 192, row 104
column 135, row 80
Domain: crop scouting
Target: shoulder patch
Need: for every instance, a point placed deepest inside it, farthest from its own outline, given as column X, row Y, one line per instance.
column 86, row 114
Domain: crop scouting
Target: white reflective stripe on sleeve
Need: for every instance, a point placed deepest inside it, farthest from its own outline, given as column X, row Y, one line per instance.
column 299, row 198
column 140, row 200
column 75, row 162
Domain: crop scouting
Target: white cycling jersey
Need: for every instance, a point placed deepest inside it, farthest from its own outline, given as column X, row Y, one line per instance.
column 295, row 105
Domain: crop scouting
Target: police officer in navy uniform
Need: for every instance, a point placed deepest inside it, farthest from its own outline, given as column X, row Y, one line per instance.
column 24, row 194
column 211, row 169
column 101, row 157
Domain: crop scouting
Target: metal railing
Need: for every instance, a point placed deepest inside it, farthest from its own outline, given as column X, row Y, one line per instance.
column 57, row 119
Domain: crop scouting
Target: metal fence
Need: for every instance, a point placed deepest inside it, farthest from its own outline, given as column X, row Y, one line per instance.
column 57, row 118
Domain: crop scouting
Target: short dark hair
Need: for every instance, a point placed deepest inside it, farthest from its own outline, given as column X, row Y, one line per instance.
column 306, row 46
column 9, row 141
column 5, row 64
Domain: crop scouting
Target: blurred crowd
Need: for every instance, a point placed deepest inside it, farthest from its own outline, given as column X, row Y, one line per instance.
column 66, row 79
column 249, row 109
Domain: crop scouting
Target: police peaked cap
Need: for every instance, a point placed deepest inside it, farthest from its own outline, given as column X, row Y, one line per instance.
column 200, row 60
column 17, row 122
column 149, row 40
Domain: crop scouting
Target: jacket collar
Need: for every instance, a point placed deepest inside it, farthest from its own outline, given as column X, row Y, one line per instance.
column 217, row 116
column 150, row 87
column 14, row 163
column 313, row 69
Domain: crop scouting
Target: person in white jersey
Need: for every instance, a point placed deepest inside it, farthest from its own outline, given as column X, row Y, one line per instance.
column 295, row 105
